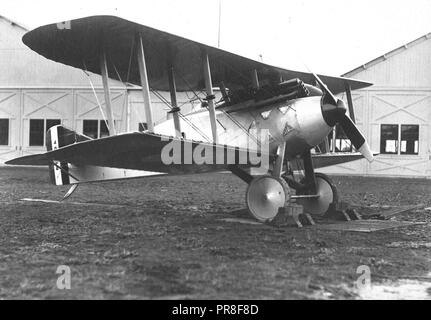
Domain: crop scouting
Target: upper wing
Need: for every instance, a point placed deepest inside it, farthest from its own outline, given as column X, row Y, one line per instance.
column 80, row 46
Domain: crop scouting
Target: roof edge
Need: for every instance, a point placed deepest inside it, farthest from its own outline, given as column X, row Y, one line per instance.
column 14, row 23
column 387, row 55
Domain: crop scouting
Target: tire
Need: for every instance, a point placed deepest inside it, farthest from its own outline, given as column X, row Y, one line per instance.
column 265, row 195
column 328, row 196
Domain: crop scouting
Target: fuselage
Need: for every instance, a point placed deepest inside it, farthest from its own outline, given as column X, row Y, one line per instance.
column 298, row 122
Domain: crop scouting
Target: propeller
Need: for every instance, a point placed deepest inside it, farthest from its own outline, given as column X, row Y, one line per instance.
column 334, row 111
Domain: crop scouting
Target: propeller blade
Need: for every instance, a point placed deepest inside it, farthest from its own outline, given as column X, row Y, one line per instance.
column 356, row 137
column 325, row 88
column 337, row 114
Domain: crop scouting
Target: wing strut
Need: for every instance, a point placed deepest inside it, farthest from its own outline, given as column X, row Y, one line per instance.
column 278, row 165
column 210, row 95
column 104, row 72
column 350, row 101
column 255, row 79
column 144, row 84
column 175, row 108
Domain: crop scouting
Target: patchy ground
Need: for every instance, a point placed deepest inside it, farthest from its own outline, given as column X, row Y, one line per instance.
column 163, row 238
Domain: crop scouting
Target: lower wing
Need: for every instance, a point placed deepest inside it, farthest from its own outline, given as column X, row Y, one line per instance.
column 149, row 152
column 156, row 153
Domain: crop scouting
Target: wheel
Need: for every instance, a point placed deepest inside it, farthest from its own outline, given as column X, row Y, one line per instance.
column 265, row 195
column 327, row 193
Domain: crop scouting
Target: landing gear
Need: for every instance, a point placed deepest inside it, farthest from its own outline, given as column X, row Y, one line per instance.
column 265, row 196
column 315, row 192
column 326, row 193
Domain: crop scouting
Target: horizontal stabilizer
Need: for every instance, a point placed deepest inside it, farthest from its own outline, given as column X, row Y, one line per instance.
column 32, row 160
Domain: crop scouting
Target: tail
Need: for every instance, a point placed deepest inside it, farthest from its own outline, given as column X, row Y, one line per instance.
column 58, row 137
column 64, row 173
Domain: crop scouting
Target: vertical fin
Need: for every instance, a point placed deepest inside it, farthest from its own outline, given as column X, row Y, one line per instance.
column 58, row 137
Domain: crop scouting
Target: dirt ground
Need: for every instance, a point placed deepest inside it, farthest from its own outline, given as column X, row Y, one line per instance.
column 163, row 237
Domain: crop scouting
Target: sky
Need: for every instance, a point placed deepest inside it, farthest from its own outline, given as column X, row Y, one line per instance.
column 329, row 37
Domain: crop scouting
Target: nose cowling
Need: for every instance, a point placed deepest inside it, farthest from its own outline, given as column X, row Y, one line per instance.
column 332, row 111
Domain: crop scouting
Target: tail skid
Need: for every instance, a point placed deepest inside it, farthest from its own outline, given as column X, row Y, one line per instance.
column 70, row 192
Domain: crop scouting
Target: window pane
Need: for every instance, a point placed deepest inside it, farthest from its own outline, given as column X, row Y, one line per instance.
column 4, row 132
column 143, row 126
column 36, row 132
column 104, row 132
column 409, row 139
column 90, row 128
column 342, row 143
column 389, row 139
column 52, row 122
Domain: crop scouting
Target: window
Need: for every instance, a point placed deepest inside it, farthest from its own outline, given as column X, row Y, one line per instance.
column 143, row 126
column 342, row 142
column 104, row 131
column 389, row 139
column 409, row 139
column 91, row 128
column 36, row 132
column 95, row 128
column 4, row 132
column 399, row 139
column 38, row 128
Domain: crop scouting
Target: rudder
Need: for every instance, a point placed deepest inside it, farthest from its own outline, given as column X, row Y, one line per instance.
column 56, row 138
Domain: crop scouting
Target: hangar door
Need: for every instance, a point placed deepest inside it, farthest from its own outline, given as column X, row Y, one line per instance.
column 399, row 127
column 10, row 124
column 26, row 115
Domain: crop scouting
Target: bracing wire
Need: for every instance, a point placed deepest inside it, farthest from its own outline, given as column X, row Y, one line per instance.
column 185, row 119
column 255, row 139
column 95, row 95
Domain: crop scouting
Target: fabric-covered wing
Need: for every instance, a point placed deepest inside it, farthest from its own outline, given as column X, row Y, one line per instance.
column 31, row 160
column 144, row 151
column 330, row 159
column 78, row 43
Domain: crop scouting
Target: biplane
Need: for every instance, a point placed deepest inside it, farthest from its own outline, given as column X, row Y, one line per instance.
column 297, row 110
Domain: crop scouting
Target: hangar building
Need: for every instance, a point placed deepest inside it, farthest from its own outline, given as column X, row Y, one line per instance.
column 395, row 113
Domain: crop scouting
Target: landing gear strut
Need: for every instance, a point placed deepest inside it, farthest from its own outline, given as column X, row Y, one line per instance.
column 315, row 192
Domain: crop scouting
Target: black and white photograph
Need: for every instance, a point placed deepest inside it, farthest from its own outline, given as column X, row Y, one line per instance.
column 219, row 150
